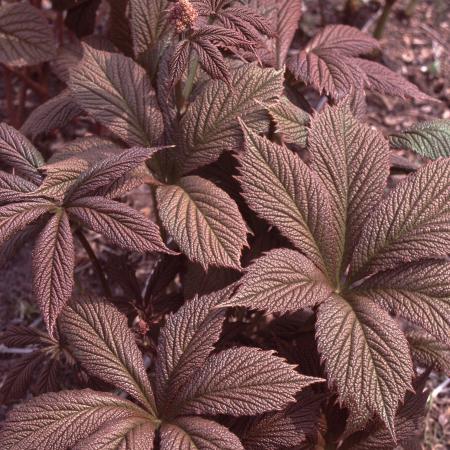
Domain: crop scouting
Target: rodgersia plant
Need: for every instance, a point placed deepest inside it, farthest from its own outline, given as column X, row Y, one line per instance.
column 274, row 230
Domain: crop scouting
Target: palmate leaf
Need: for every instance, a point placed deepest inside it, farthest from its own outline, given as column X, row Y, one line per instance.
column 119, row 223
column 354, row 173
column 102, row 342
column 148, row 22
column 418, row 291
column 19, row 153
column 330, row 64
column 60, row 420
column 53, row 265
column 118, row 93
column 281, row 189
column 411, row 223
column 130, row 433
column 193, row 212
column 210, row 124
column 185, row 342
column 192, row 433
column 366, row 357
column 242, row 381
column 55, row 113
column 282, row 280
column 25, row 36
column 291, row 122
column 430, row 139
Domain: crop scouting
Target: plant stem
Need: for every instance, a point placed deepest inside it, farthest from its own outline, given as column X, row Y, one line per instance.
column 95, row 262
column 193, row 66
column 379, row 29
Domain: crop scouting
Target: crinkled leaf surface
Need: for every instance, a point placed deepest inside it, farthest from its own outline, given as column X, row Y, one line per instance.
column 192, row 433
column 346, row 40
column 118, row 93
column 366, row 357
column 19, row 153
column 418, row 291
column 15, row 217
column 185, row 342
column 53, row 265
column 383, row 80
column 282, row 280
column 105, row 346
column 129, row 433
column 281, row 189
column 60, row 420
column 291, row 122
column 60, row 176
column 119, row 223
column 287, row 428
column 327, row 71
column 105, row 172
column 242, row 381
column 352, row 161
column 148, row 23
column 210, row 125
column 26, row 38
column 54, row 113
column 428, row 351
column 411, row 223
column 430, row 139
column 203, row 220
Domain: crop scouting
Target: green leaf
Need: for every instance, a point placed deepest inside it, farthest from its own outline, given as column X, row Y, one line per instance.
column 430, row 139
